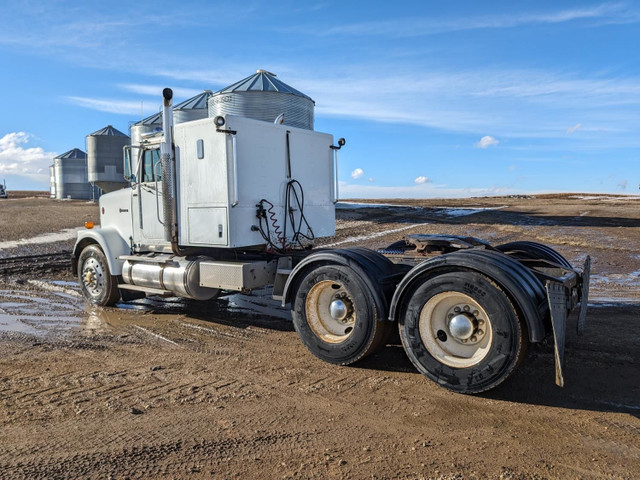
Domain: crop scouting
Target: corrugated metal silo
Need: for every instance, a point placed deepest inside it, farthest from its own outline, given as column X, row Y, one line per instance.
column 193, row 109
column 52, row 180
column 70, row 171
column 105, row 162
column 152, row 123
column 263, row 97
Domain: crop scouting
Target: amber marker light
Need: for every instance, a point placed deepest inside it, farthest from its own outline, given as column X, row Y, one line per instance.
column 88, row 224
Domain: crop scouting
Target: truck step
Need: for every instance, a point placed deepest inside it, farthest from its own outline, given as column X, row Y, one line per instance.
column 153, row 291
column 161, row 259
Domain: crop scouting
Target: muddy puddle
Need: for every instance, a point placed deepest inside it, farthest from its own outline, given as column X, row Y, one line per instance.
column 54, row 308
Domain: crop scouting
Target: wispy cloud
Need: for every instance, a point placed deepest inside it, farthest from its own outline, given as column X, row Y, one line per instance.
column 523, row 103
column 573, row 129
column 123, row 107
column 414, row 27
column 156, row 90
column 421, row 179
column 16, row 158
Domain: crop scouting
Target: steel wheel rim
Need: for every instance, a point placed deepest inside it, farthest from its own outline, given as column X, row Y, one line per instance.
column 330, row 328
column 445, row 334
column 93, row 277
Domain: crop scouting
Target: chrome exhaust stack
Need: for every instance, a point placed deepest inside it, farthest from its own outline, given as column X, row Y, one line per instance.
column 168, row 170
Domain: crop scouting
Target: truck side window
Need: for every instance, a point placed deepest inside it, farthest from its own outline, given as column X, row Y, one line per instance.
column 151, row 170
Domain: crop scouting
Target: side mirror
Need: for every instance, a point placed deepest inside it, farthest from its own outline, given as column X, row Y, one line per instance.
column 129, row 173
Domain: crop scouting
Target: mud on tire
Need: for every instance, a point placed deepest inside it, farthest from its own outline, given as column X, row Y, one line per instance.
column 461, row 330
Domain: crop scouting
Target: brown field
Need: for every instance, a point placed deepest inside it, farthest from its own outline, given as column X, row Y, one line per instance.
column 169, row 388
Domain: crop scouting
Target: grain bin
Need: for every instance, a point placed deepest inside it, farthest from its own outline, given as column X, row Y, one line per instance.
column 52, row 181
column 105, row 162
column 70, row 171
column 152, row 123
column 264, row 97
column 194, row 108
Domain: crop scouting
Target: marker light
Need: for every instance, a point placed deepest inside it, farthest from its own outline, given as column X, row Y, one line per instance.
column 88, row 224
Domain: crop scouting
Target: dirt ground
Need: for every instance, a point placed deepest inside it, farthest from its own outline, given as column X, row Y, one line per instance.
column 170, row 388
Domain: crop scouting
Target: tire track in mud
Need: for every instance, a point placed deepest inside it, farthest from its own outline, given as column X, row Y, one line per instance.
column 326, row 392
column 155, row 460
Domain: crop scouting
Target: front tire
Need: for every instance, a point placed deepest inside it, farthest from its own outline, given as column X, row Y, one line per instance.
column 335, row 316
column 461, row 330
column 96, row 282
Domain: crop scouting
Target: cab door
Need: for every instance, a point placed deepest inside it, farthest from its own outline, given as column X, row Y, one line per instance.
column 147, row 208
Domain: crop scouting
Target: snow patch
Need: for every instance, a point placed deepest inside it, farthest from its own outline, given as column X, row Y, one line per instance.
column 361, row 238
column 61, row 236
column 356, row 205
column 626, row 280
column 463, row 211
column 448, row 211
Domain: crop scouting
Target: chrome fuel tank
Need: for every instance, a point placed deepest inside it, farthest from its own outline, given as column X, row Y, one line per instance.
column 175, row 274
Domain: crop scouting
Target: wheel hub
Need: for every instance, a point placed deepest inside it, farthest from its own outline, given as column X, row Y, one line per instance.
column 90, row 279
column 338, row 310
column 465, row 324
column 461, row 326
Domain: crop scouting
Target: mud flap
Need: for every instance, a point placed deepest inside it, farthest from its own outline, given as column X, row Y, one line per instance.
column 556, row 294
column 584, row 296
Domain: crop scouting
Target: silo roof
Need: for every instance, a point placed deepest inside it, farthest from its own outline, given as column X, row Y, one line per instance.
column 194, row 103
column 73, row 153
column 262, row 81
column 155, row 119
column 108, row 130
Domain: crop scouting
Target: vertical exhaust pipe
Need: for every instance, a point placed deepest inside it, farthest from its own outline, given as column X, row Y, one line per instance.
column 168, row 170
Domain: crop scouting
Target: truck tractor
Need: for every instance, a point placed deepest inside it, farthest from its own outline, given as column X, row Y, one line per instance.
column 232, row 204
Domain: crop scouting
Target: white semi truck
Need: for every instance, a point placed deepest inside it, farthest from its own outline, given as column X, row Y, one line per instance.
column 233, row 204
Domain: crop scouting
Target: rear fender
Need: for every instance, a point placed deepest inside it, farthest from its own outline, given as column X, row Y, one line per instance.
column 517, row 281
column 377, row 272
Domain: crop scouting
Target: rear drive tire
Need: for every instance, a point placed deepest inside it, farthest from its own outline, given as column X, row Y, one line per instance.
column 335, row 316
column 96, row 282
column 461, row 330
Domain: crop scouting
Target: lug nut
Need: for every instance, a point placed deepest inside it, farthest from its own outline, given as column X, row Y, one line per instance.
column 480, row 332
column 476, row 313
column 450, row 316
column 457, row 309
column 467, row 308
column 473, row 338
column 480, row 321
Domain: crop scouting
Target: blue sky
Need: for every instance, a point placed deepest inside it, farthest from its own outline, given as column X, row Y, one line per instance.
column 435, row 99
